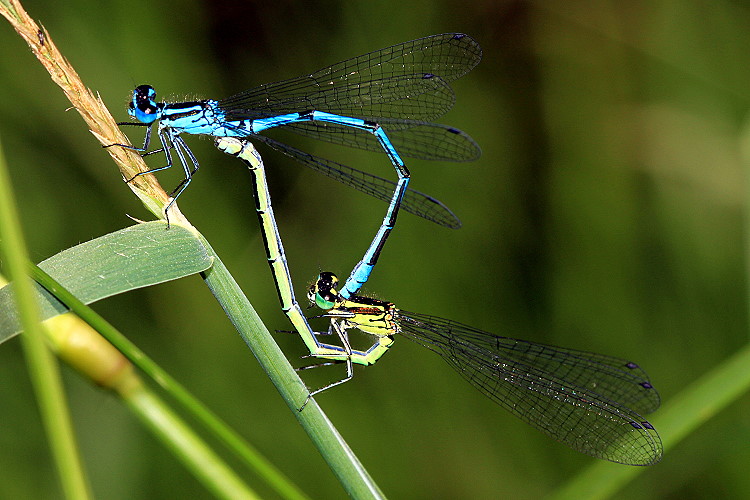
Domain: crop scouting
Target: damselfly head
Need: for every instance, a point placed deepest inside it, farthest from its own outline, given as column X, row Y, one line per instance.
column 323, row 293
column 143, row 106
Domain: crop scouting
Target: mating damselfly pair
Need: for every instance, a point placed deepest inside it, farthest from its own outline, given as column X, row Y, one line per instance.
column 385, row 101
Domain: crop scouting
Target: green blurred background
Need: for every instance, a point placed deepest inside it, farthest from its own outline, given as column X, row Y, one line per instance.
column 605, row 214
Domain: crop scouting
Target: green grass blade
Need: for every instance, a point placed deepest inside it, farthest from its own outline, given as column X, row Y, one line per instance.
column 331, row 445
column 82, row 348
column 212, row 472
column 340, row 458
column 43, row 368
column 129, row 265
column 225, row 434
column 134, row 257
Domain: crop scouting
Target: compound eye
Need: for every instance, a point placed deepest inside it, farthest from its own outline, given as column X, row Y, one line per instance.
column 144, row 92
column 326, row 281
column 325, row 301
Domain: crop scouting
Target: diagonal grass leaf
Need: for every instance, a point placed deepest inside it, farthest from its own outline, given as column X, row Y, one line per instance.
column 135, row 257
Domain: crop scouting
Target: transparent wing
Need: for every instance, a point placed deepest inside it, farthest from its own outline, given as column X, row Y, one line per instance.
column 413, row 202
column 408, row 81
column 590, row 402
column 423, row 140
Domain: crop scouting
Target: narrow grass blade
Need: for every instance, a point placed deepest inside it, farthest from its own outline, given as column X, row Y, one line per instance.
column 80, row 353
column 43, row 368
